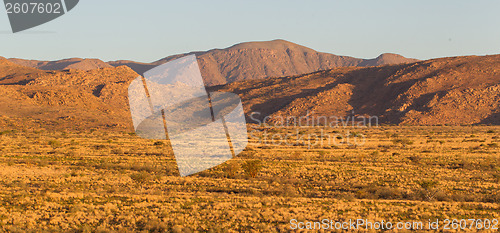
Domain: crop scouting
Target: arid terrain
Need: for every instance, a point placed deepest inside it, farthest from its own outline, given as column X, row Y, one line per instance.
column 71, row 162
column 117, row 182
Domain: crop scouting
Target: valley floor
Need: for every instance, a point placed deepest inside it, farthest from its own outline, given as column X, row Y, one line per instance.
column 117, row 182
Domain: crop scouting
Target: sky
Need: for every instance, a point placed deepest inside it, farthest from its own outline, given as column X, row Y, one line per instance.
column 148, row 30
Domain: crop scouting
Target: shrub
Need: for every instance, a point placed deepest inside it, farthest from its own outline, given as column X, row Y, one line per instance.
column 388, row 193
column 493, row 145
column 252, row 167
column 54, row 143
column 141, row 177
column 159, row 143
column 428, row 184
column 288, row 190
column 117, row 151
column 414, row 158
column 5, row 132
column 231, row 169
column 356, row 134
column 494, row 198
column 428, row 190
column 99, row 147
column 404, row 142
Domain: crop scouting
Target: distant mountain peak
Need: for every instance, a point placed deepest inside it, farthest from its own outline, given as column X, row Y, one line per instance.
column 277, row 44
column 387, row 59
column 388, row 55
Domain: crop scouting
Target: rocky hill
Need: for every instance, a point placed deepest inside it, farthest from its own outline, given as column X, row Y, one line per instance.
column 64, row 100
column 10, row 69
column 456, row 91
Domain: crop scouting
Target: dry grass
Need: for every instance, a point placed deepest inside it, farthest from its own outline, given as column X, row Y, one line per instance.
column 112, row 182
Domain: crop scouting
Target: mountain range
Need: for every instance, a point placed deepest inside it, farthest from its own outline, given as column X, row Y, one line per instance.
column 251, row 60
column 454, row 90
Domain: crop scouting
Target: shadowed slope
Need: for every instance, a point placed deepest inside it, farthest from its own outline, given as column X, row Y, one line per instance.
column 461, row 90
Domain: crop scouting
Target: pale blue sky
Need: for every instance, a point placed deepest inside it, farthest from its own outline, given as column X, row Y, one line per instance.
column 148, row 30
